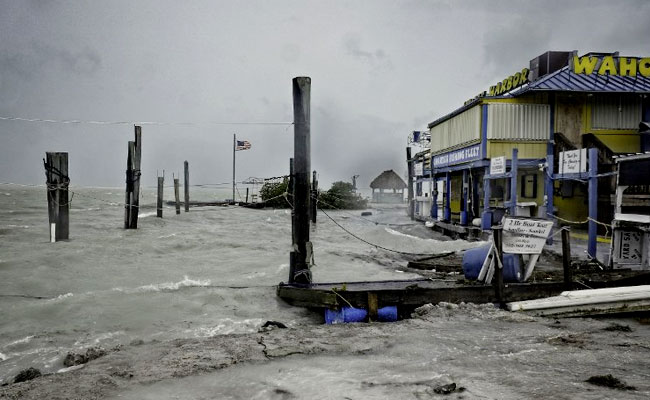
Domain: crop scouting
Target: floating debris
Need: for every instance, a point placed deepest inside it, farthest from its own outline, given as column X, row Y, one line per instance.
column 609, row 381
column 618, row 328
column 27, row 375
column 72, row 359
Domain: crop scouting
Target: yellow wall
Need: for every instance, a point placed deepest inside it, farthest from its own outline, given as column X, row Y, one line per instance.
column 621, row 142
column 571, row 208
column 456, row 192
column 526, row 149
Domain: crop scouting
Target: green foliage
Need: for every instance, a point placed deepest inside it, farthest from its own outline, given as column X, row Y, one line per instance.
column 342, row 196
column 271, row 191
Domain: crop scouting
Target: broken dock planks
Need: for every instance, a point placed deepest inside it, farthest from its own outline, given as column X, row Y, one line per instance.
column 407, row 293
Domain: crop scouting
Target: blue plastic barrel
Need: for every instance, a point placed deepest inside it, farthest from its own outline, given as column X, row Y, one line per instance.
column 351, row 314
column 473, row 261
column 387, row 314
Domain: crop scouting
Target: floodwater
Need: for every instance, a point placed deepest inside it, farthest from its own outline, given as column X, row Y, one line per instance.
column 179, row 303
column 207, row 272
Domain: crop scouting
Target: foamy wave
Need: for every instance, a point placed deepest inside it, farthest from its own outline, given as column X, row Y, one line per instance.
column 3, row 357
column 61, row 297
column 147, row 214
column 167, row 286
column 396, row 233
column 24, row 340
column 227, row 326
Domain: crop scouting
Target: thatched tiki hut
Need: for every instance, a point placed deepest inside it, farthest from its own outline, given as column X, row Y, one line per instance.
column 388, row 180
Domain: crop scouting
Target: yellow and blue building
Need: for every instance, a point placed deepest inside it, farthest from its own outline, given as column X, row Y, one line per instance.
column 521, row 126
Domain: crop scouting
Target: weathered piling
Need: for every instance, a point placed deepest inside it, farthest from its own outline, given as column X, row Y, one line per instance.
column 497, row 233
column 159, row 204
column 187, row 186
column 314, row 198
column 566, row 258
column 290, row 198
column 58, row 206
column 246, row 195
column 299, row 271
column 177, row 195
column 132, row 198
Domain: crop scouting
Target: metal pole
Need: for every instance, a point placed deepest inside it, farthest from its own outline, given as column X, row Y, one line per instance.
column 486, row 218
column 409, row 165
column 513, row 182
column 548, row 179
column 593, row 202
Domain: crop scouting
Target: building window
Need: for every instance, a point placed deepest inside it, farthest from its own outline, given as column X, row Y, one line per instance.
column 615, row 112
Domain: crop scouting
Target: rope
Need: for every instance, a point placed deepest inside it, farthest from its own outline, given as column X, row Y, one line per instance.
column 343, row 298
column 77, row 121
column 607, row 227
column 373, row 244
column 318, row 200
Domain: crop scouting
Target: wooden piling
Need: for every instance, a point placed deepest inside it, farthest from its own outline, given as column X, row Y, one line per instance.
column 246, row 195
column 372, row 306
column 132, row 197
column 299, row 272
column 499, row 288
column 187, row 186
column 177, row 195
column 159, row 204
column 566, row 258
column 314, row 198
column 58, row 206
column 290, row 197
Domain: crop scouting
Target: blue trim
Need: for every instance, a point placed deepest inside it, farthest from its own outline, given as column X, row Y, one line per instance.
column 447, row 208
column 513, row 182
column 486, row 217
column 551, row 134
column 593, row 202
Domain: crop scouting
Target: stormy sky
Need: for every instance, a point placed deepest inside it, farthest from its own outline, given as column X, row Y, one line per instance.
column 379, row 70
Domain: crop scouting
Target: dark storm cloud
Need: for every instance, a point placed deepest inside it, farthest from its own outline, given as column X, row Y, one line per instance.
column 376, row 58
column 38, row 58
column 379, row 69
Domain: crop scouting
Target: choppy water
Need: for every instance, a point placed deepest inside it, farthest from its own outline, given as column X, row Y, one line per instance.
column 208, row 272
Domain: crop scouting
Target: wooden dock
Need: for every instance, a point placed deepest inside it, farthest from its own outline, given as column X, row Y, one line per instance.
column 408, row 294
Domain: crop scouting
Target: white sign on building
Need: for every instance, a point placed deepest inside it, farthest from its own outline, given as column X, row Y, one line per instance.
column 573, row 161
column 498, row 165
column 419, row 169
column 525, row 235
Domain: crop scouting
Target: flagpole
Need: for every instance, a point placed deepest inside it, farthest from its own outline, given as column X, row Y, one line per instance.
column 234, row 145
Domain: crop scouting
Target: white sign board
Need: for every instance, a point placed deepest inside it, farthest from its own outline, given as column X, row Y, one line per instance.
column 419, row 169
column 525, row 235
column 498, row 165
column 629, row 246
column 573, row 161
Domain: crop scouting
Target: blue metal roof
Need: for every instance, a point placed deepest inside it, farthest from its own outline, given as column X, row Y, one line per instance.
column 565, row 80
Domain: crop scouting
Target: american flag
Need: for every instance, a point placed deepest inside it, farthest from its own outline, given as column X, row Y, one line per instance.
column 243, row 145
